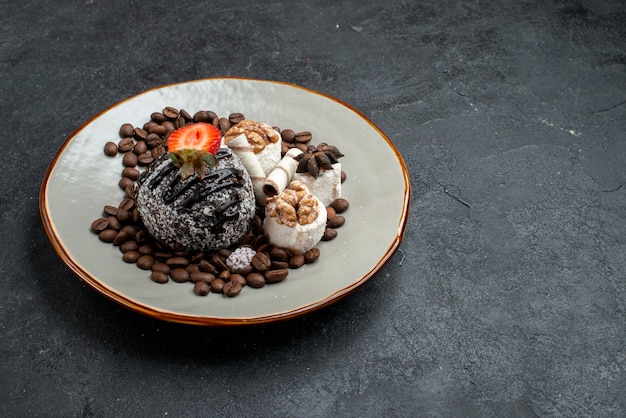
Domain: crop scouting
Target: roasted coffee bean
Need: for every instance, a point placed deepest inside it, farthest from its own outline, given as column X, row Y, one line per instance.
column 123, row 215
column 174, row 262
column 275, row 276
column 343, row 176
column 126, row 144
column 131, row 256
column 311, row 255
column 202, row 116
column 207, row 267
column 330, row 213
column 126, row 130
column 127, row 204
column 200, row 276
column 261, row 261
column 158, row 117
column 277, row 265
column 110, row 210
column 149, row 125
column 255, row 280
column 114, row 223
column 301, row 147
column 225, row 275
column 284, row 148
column 340, row 205
column 108, row 235
column 131, row 230
column 154, row 140
column 180, row 122
column 159, row 130
column 99, row 225
column 125, row 182
column 146, row 249
column 179, row 275
column 162, row 255
column 219, row 262
column 296, row 261
column 235, row 118
column 336, row 221
column 159, row 277
column 302, row 137
column 131, row 173
column 196, row 257
column 235, row 277
column 231, row 288
column 246, row 270
column 157, row 151
column 201, row 288
column 217, row 285
column 192, row 268
column 145, row 159
column 145, row 262
column 279, row 254
column 140, row 133
column 110, row 149
column 129, row 192
column 329, row 234
column 224, row 252
column 130, row 159
column 224, row 124
column 170, row 113
column 169, row 126
column 162, row 267
column 121, row 238
column 288, row 135
column 140, row 147
column 128, row 245
column 136, row 217
column 185, row 115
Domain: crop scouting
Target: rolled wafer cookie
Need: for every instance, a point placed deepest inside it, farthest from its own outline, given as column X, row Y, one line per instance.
column 282, row 174
column 242, row 149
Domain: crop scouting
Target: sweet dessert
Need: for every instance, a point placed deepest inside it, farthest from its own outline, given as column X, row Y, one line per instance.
column 294, row 219
column 258, row 145
column 199, row 197
column 320, row 170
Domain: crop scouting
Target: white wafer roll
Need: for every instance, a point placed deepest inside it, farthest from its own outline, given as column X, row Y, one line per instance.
column 242, row 149
column 282, row 174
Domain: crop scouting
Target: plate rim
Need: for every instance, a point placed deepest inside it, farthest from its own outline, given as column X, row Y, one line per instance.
column 153, row 312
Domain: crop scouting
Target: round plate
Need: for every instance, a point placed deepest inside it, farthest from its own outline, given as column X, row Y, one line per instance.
column 81, row 180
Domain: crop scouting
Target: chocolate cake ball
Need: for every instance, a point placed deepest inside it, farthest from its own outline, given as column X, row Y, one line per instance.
column 197, row 214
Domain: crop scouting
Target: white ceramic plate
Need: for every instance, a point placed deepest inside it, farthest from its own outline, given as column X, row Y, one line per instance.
column 81, row 181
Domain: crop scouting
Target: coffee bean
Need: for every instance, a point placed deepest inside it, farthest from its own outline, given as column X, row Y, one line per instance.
column 296, row 261
column 110, row 210
column 157, row 117
column 126, row 144
column 158, row 130
column 145, row 262
column 126, row 130
column 140, row 147
column 114, row 223
column 170, row 113
column 110, row 149
column 275, row 276
column 302, row 137
column 219, row 262
column 180, row 122
column 200, row 276
column 201, row 288
column 279, row 254
column 235, row 118
column 192, row 268
column 140, row 133
column 255, row 280
column 175, row 262
column 127, row 204
column 125, row 182
column 185, row 115
column 261, row 261
column 131, row 256
column 145, row 159
column 129, row 245
column 202, row 116
column 311, row 255
column 330, row 212
column 162, row 267
column 108, row 235
column 340, row 205
column 277, row 265
column 146, row 249
column 121, row 238
column 169, row 126
column 99, row 225
column 123, row 215
column 336, row 221
column 154, row 140
column 217, row 285
column 235, row 277
column 343, row 176
column 287, row 135
column 131, row 173
column 224, row 125
column 179, row 275
column 159, row 277
column 207, row 267
column 129, row 160
column 329, row 234
column 149, row 125
column 231, row 289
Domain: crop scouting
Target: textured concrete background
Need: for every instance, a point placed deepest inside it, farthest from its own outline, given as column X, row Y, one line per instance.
column 508, row 296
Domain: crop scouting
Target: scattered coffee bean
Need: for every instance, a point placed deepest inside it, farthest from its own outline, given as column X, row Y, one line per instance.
column 131, row 256
column 108, row 235
column 311, row 255
column 287, row 135
column 261, row 261
column 126, row 130
column 217, row 285
column 99, row 225
column 296, row 261
column 201, row 288
column 170, row 113
column 110, row 149
column 255, row 280
column 329, row 234
column 175, row 262
column 159, row 277
column 235, row 118
column 130, row 159
column 200, row 276
column 162, row 267
column 231, row 288
column 275, row 276
column 126, row 144
column 336, row 221
column 131, row 173
column 145, row 262
column 179, row 275
column 340, row 205
column 303, row 137
column 140, row 134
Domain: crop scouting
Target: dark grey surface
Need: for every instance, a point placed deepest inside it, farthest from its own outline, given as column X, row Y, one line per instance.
column 508, row 301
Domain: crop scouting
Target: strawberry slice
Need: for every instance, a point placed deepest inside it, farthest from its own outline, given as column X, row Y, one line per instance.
column 193, row 148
